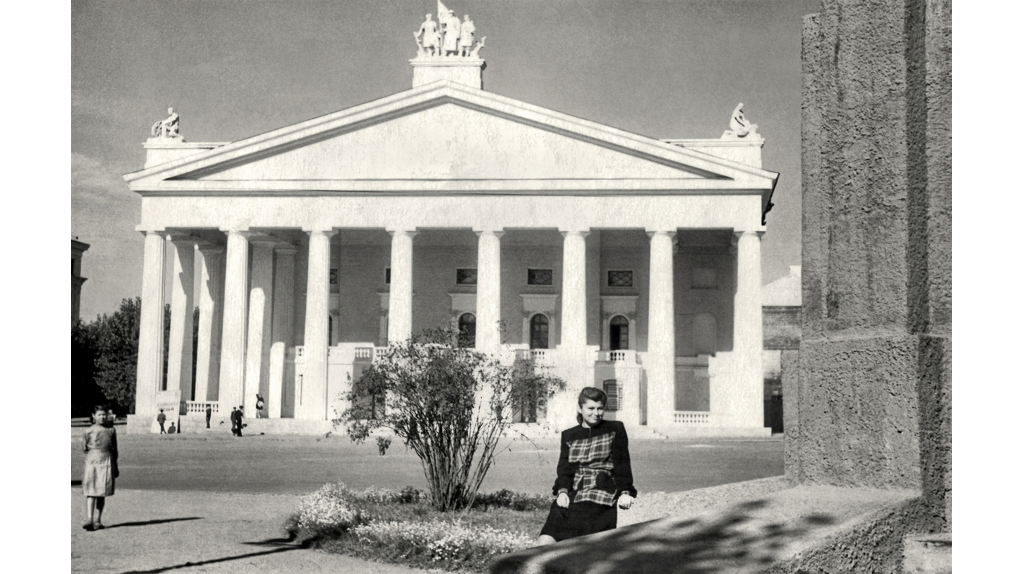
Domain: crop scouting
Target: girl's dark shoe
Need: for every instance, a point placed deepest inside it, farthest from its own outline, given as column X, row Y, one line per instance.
column 98, row 526
column 88, row 527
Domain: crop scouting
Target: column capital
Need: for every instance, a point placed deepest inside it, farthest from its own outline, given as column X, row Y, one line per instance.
column 737, row 234
column 150, row 230
column 651, row 232
column 326, row 229
column 411, row 232
column 581, row 232
column 496, row 231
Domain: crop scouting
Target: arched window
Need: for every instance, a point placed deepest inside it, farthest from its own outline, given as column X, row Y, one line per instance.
column 619, row 333
column 539, row 331
column 467, row 330
column 613, row 389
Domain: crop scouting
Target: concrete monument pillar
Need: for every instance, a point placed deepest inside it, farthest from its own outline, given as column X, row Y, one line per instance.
column 211, row 293
column 660, row 366
column 151, row 325
column 261, row 297
column 400, row 304
column 232, row 347
column 311, row 398
column 179, row 348
column 488, row 291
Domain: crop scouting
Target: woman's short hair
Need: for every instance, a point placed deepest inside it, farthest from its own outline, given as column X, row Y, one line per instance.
column 593, row 394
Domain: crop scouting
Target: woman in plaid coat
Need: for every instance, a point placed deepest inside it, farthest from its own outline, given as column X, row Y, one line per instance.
column 593, row 474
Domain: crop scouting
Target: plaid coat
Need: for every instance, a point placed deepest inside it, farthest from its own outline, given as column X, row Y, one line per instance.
column 594, row 463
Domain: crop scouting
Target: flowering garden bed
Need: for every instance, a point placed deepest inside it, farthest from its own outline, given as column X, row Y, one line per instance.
column 401, row 526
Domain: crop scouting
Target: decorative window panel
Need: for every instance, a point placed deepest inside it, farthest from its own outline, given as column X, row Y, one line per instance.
column 704, row 278
column 539, row 277
column 620, row 278
column 613, row 389
column 465, row 276
column 334, row 276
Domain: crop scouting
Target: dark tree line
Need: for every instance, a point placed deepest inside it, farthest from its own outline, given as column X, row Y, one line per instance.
column 104, row 357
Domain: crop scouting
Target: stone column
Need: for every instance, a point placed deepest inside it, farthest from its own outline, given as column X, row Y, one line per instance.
column 660, row 365
column 745, row 397
column 179, row 348
column 574, row 290
column 400, row 305
column 232, row 347
column 211, row 284
column 151, row 325
column 573, row 323
column 261, row 297
column 312, row 403
column 283, row 324
column 488, row 291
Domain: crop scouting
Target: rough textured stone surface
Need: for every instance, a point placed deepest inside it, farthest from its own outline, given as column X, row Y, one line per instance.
column 781, row 327
column 873, row 406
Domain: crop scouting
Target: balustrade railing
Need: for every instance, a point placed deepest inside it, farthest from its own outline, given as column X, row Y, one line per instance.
column 693, row 417
column 542, row 356
column 364, row 353
column 200, row 406
column 621, row 356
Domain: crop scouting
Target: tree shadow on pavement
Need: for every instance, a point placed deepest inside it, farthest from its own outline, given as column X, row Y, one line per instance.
column 151, row 522
column 737, row 538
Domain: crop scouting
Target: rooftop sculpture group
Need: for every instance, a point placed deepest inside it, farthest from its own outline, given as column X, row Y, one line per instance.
column 167, row 128
column 741, row 126
column 447, row 37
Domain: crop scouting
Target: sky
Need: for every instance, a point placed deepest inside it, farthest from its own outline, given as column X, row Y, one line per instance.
column 233, row 69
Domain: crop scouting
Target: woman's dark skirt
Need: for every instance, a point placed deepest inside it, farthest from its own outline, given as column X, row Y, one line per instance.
column 580, row 519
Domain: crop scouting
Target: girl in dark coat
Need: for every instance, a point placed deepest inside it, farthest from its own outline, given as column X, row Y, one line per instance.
column 594, row 474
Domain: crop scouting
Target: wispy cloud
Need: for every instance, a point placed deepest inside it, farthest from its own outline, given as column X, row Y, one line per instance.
column 95, row 181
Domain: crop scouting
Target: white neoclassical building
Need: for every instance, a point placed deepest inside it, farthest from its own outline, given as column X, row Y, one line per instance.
column 617, row 260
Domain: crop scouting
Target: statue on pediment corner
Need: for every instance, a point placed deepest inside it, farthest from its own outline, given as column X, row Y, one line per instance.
column 430, row 43
column 740, row 125
column 167, row 128
column 452, row 32
column 476, row 50
column 466, row 37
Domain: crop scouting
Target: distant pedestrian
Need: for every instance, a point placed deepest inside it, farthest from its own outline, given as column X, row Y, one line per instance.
column 209, row 413
column 100, row 467
column 236, row 421
column 161, row 418
column 259, row 406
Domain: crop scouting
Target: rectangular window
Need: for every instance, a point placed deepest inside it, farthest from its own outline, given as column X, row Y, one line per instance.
column 704, row 278
column 538, row 276
column 334, row 276
column 465, row 276
column 620, row 278
column 387, row 276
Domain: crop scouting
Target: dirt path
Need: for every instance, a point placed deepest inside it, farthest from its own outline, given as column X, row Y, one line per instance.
column 159, row 531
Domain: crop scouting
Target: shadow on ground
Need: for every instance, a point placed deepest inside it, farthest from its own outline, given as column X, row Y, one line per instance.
column 151, row 522
column 742, row 537
column 215, row 560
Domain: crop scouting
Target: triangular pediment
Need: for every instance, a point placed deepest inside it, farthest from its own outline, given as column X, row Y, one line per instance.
column 448, row 133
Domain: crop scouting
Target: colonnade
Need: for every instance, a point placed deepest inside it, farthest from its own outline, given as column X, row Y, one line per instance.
column 244, row 312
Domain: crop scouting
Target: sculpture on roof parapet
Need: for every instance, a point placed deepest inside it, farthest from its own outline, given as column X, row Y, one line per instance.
column 741, row 126
column 167, row 128
column 447, row 37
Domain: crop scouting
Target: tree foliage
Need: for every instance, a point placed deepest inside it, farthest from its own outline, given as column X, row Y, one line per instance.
column 448, row 403
column 116, row 339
